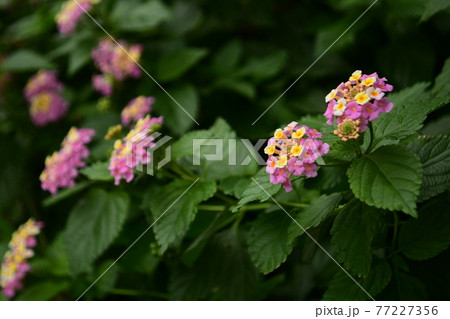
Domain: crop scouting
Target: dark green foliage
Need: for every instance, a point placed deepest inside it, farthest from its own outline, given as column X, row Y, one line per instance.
column 352, row 234
column 434, row 153
column 388, row 178
column 219, row 229
column 92, row 226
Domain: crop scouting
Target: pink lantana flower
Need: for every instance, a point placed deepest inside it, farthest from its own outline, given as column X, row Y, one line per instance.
column 61, row 168
column 353, row 111
column 370, row 111
column 361, row 99
column 103, row 84
column 136, row 109
column 310, row 170
column 116, row 61
column 293, row 151
column 384, row 105
column 47, row 107
column 15, row 264
column 126, row 155
column 71, row 13
column 43, row 92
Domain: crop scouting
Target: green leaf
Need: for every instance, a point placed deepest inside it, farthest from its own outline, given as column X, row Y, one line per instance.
column 388, row 178
column 55, row 261
column 401, row 122
column 240, row 87
column 175, row 64
column 177, row 118
column 43, row 291
column 25, row 60
column 183, row 148
column 313, row 121
column 427, row 236
column 328, row 35
column 93, row 225
column 224, row 271
column 237, row 160
column 441, row 126
column 139, row 16
column 405, row 120
column 268, row 241
column 442, row 81
column 227, row 57
column 314, row 214
column 29, row 26
column 410, row 94
column 331, row 179
column 79, row 57
column 408, row 287
column 260, row 189
column 108, row 278
column 352, row 234
column 186, row 16
column 434, row 153
column 432, row 7
column 404, row 9
column 82, row 38
column 342, row 288
column 263, row 68
column 235, row 185
column 175, row 209
column 97, row 172
column 234, row 158
column 65, row 193
column 338, row 148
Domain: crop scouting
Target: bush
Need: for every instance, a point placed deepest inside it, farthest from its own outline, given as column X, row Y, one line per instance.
column 92, row 105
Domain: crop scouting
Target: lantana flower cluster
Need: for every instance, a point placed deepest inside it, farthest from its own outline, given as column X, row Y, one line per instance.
column 128, row 154
column 115, row 63
column 15, row 265
column 70, row 14
column 136, row 109
column 293, row 151
column 43, row 92
column 61, row 168
column 357, row 102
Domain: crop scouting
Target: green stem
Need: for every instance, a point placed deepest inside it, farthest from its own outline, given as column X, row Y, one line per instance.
column 187, row 171
column 357, row 147
column 369, row 148
column 212, row 228
column 221, row 208
column 239, row 218
column 176, row 169
column 169, row 174
column 224, row 223
column 257, row 206
column 212, row 208
column 299, row 205
column 297, row 191
column 392, row 254
column 226, row 198
column 375, row 143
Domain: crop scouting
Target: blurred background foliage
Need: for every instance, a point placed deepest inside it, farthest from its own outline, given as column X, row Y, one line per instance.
column 229, row 59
